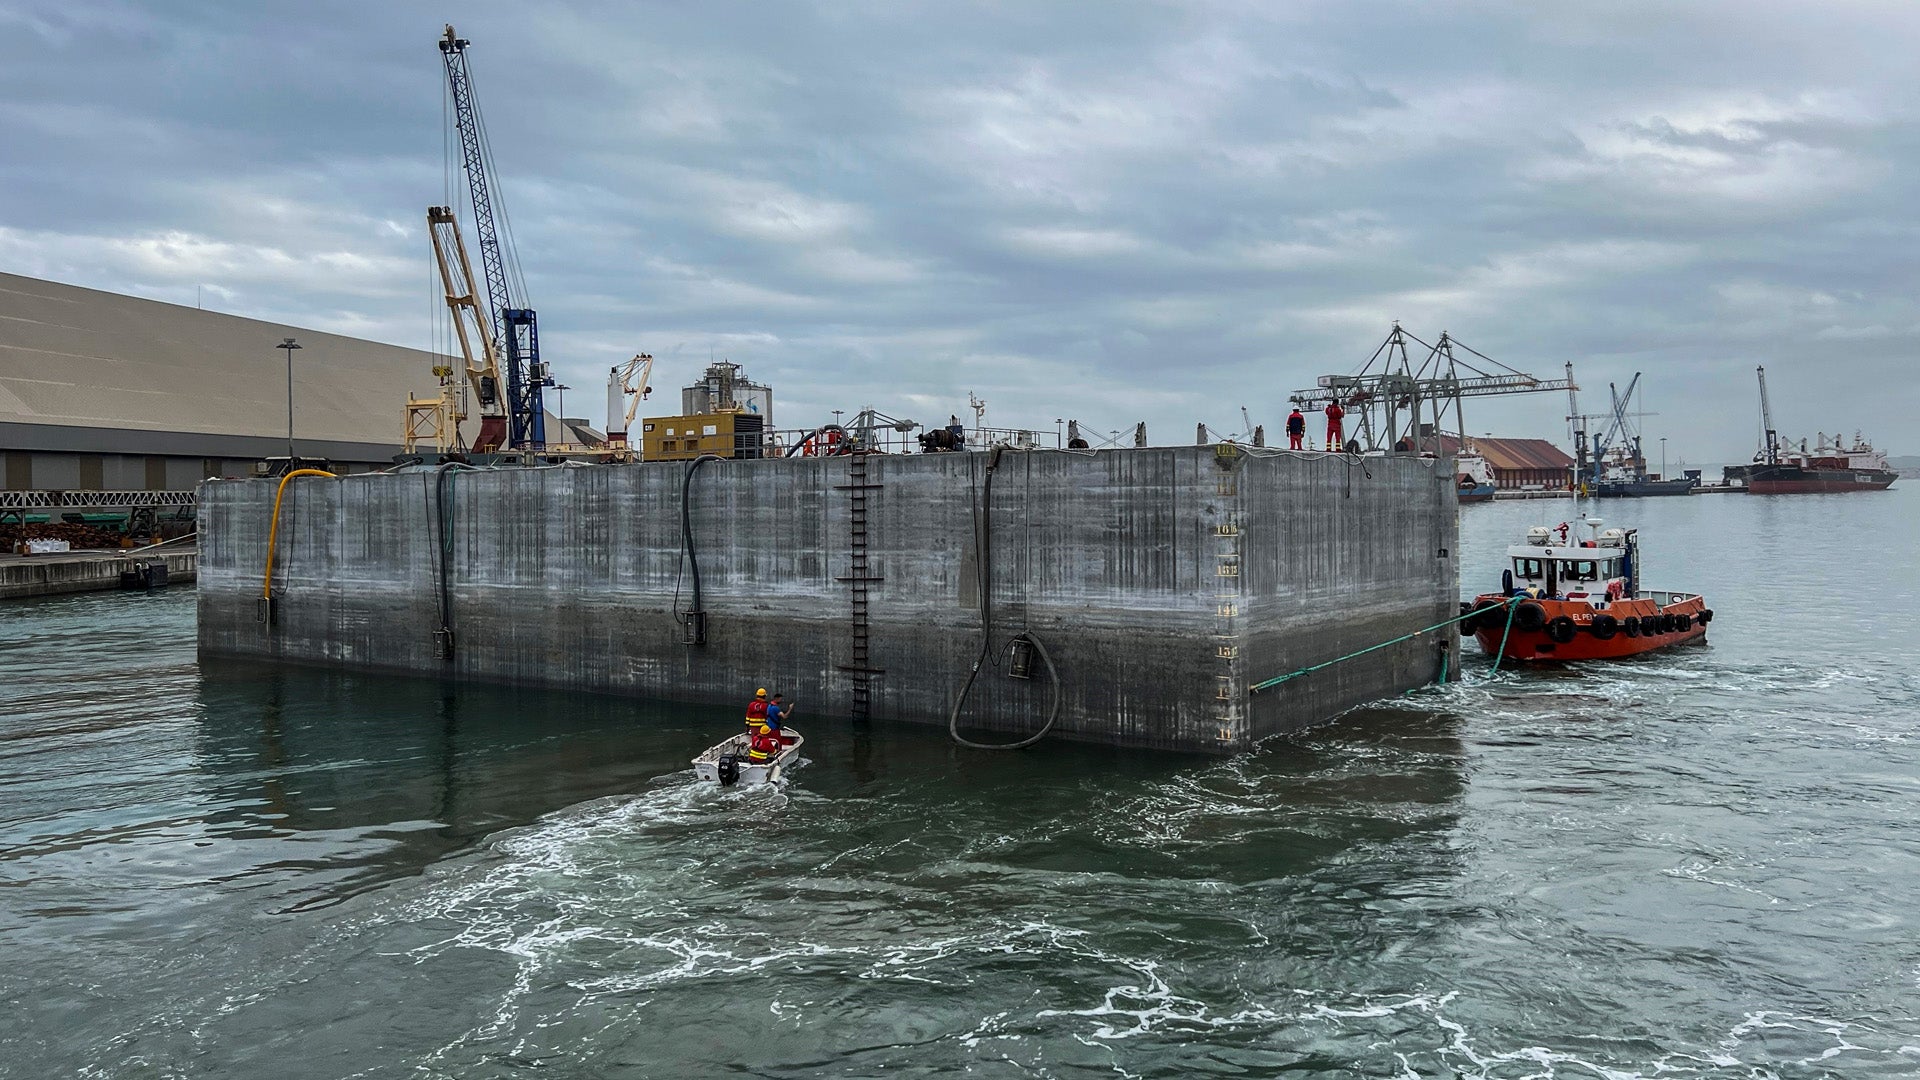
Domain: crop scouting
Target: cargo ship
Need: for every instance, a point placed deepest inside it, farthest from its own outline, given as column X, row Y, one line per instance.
column 1838, row 466
column 1569, row 599
column 1780, row 468
column 1474, row 478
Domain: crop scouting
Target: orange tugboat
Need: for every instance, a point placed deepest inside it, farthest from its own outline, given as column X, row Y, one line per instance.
column 1570, row 599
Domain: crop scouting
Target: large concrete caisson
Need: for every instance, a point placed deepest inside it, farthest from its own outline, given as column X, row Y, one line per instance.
column 1161, row 583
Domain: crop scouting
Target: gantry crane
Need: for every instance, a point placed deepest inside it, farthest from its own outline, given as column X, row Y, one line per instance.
column 1386, row 396
column 514, row 336
column 621, row 386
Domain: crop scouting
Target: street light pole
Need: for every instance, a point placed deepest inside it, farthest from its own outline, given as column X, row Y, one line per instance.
column 560, row 400
column 288, row 344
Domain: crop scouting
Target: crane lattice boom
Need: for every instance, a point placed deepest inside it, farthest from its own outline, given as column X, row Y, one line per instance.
column 515, row 332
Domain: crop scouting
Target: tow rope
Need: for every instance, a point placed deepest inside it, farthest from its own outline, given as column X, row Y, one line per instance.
column 1512, row 603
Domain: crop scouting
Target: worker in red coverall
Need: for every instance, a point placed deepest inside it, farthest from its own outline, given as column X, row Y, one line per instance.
column 770, row 739
column 1335, row 437
column 1296, row 429
column 757, row 712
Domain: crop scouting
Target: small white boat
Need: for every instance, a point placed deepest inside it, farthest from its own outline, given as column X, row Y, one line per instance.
column 727, row 764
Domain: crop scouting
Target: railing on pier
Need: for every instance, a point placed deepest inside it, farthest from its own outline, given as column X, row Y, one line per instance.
column 891, row 439
column 35, row 500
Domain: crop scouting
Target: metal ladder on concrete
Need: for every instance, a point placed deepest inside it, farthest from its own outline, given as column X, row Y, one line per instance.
column 860, row 577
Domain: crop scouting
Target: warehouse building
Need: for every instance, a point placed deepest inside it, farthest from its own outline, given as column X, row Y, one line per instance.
column 104, row 392
column 1518, row 464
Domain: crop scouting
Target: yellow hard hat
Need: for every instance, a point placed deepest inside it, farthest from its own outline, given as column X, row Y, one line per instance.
column 762, row 692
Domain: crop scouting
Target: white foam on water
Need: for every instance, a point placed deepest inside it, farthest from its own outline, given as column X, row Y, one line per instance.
column 539, row 894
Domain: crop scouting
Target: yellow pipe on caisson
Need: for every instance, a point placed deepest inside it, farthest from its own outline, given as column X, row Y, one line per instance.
column 273, row 530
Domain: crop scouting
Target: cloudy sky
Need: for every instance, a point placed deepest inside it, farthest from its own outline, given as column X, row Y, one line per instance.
column 1158, row 212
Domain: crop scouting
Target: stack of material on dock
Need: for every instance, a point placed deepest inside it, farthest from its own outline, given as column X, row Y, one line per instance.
column 76, row 535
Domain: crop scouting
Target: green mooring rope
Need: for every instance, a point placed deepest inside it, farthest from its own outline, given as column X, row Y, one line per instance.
column 1512, row 604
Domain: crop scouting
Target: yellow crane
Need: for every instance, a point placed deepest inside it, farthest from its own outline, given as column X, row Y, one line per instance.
column 481, row 373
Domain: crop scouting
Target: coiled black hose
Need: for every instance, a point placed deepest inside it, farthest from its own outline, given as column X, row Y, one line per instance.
column 983, row 537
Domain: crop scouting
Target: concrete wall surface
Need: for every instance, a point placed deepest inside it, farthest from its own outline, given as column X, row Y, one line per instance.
column 1161, row 582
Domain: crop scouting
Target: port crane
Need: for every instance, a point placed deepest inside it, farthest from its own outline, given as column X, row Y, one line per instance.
column 626, row 382
column 1770, row 438
column 1388, row 394
column 1621, row 435
column 475, row 334
column 514, row 333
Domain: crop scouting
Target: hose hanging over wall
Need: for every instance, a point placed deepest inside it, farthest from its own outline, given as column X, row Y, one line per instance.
column 693, row 623
column 273, row 530
column 983, row 545
column 443, row 554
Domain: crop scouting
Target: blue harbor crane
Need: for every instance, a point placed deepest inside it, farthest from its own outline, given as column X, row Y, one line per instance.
column 1613, row 463
column 1621, row 437
column 515, row 330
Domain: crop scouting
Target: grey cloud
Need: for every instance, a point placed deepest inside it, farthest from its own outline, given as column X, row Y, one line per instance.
column 1152, row 212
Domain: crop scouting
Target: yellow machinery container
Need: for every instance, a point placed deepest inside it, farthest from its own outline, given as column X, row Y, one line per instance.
column 683, row 438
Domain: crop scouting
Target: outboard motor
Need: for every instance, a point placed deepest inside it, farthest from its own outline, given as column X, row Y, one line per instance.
column 729, row 770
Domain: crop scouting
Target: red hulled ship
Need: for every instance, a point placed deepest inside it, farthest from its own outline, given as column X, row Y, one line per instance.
column 1825, row 466
column 1780, row 469
column 1571, row 599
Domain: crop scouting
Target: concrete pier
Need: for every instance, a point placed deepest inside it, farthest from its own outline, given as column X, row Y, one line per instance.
column 83, row 571
column 1161, row 583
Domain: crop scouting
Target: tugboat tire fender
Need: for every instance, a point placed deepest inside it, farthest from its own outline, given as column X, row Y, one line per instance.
column 1530, row 616
column 1469, row 618
column 1705, row 616
column 1561, row 629
column 1630, row 626
column 1485, row 617
column 1603, row 627
column 1683, row 622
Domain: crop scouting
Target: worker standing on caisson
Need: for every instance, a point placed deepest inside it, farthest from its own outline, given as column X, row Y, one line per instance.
column 1296, row 429
column 757, row 712
column 1335, row 436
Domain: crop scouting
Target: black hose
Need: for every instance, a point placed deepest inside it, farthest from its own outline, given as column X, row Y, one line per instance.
column 983, row 545
column 686, row 542
column 816, row 433
column 443, row 556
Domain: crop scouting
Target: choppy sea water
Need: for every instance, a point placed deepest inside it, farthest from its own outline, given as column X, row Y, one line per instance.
column 1698, row 864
